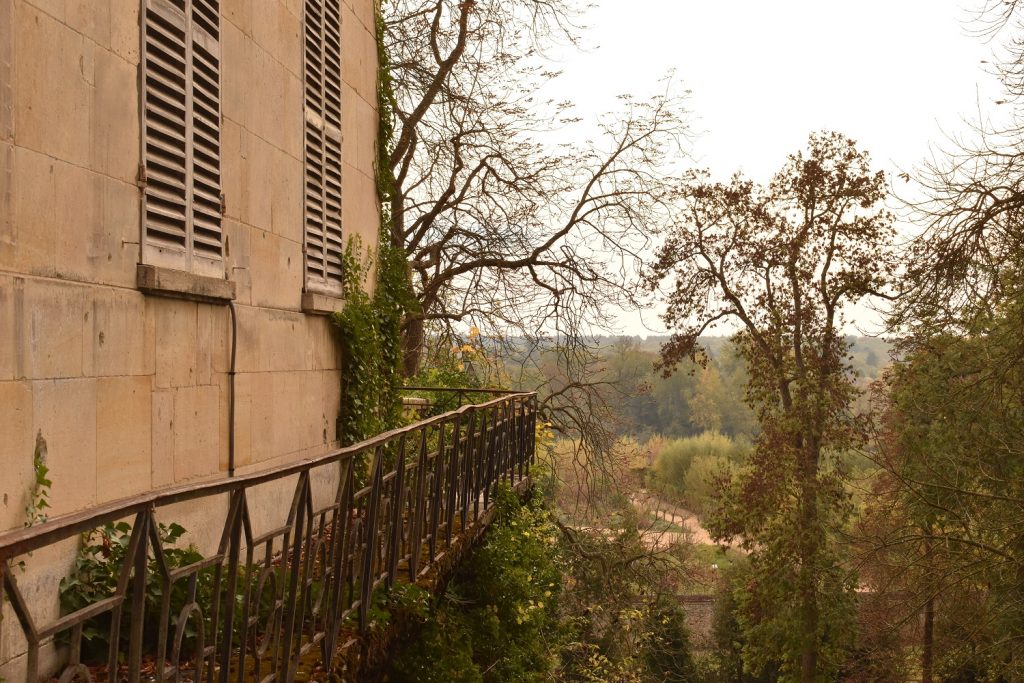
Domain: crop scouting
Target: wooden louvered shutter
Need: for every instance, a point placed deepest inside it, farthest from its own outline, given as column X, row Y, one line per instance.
column 206, row 198
column 323, row 239
column 181, row 129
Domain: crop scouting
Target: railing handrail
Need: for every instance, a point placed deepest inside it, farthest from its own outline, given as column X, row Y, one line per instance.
column 20, row 541
column 461, row 390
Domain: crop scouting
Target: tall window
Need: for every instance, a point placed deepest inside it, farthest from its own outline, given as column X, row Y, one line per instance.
column 322, row 73
column 181, row 133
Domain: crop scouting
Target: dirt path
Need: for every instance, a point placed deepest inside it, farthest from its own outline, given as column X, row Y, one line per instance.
column 681, row 517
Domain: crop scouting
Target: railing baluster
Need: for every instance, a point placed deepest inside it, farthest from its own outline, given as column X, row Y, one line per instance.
column 370, row 552
column 394, row 541
column 437, row 488
column 296, row 520
column 419, row 510
column 469, row 454
column 339, row 534
column 453, row 481
column 138, row 601
column 478, row 465
column 233, row 532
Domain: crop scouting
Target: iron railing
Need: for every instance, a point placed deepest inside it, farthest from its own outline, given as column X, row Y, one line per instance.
column 264, row 602
column 461, row 392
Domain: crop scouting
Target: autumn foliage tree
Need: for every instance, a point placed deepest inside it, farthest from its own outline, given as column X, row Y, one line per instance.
column 779, row 265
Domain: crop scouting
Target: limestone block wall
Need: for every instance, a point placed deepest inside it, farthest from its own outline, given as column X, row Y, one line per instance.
column 129, row 391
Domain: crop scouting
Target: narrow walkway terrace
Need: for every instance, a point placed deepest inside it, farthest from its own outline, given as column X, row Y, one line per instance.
column 295, row 556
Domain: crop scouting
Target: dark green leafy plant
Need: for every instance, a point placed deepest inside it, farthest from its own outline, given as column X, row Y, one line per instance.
column 499, row 619
column 370, row 327
column 95, row 575
column 370, row 403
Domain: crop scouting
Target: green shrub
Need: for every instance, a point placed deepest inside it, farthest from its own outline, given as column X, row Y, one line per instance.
column 699, row 483
column 500, row 613
column 95, row 575
column 730, row 642
column 672, row 467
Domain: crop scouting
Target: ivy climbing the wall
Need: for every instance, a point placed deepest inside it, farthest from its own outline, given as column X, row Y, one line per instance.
column 370, row 327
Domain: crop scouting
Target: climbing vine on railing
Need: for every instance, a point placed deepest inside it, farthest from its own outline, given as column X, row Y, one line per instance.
column 371, row 326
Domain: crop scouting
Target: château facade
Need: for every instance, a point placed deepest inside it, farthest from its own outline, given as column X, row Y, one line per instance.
column 178, row 180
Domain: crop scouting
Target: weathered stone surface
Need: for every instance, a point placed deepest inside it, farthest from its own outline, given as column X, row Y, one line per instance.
column 265, row 419
column 243, row 419
column 359, row 137
column 162, row 465
column 238, row 254
column 16, row 450
column 359, row 58
column 231, row 173
column 123, row 436
column 279, row 31
column 119, row 338
column 53, row 86
column 324, row 342
column 239, row 13
column 236, row 84
column 89, row 18
column 213, row 347
column 286, row 208
column 175, row 324
column 28, row 240
column 360, row 213
column 114, row 143
column 64, row 413
column 271, row 340
column 124, row 31
column 331, row 405
column 276, row 267
column 196, row 432
column 322, row 304
column 52, row 329
column 102, row 213
column 367, row 14
column 10, row 328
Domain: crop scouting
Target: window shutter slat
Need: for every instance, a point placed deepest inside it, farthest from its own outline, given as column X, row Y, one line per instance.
column 206, row 15
column 166, row 210
column 322, row 78
column 206, row 188
column 181, row 125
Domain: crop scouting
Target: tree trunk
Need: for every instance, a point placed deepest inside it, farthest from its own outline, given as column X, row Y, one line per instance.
column 413, row 336
column 928, row 641
column 809, row 549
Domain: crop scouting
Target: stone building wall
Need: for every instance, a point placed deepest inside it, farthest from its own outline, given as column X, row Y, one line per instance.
column 129, row 390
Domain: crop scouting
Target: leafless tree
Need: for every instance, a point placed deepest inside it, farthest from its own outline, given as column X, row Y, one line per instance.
column 506, row 223
column 971, row 249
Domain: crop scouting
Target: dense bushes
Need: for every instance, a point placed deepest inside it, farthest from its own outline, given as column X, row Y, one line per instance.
column 538, row 603
column 498, row 621
column 685, row 468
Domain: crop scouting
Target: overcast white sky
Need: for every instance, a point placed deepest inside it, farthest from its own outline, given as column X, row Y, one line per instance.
column 892, row 74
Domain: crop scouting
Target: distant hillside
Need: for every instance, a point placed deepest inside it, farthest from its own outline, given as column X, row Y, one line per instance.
column 870, row 354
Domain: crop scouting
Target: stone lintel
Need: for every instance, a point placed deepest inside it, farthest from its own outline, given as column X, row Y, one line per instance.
column 182, row 285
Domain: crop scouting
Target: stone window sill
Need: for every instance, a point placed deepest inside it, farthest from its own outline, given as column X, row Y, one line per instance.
column 179, row 284
column 315, row 303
